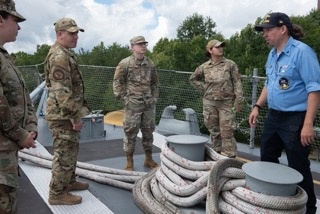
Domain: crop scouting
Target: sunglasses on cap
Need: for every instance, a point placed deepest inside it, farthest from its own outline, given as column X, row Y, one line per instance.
column 142, row 44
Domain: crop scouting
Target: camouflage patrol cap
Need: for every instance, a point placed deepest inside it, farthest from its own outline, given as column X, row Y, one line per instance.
column 137, row 40
column 215, row 43
column 67, row 24
column 9, row 7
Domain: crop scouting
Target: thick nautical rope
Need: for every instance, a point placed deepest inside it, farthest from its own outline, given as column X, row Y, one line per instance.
column 121, row 181
column 144, row 199
column 296, row 201
column 182, row 183
column 254, row 207
column 214, row 187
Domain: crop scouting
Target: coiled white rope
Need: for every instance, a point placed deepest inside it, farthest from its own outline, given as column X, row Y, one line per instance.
column 182, row 183
column 220, row 180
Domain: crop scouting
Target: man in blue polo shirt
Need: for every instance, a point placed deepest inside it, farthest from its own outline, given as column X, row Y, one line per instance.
column 292, row 91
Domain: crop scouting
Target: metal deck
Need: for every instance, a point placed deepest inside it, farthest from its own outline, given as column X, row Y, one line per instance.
column 101, row 198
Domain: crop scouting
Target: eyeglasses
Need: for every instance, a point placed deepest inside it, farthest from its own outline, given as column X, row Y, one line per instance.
column 142, row 44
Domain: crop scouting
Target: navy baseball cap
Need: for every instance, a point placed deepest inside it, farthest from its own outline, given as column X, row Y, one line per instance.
column 274, row 20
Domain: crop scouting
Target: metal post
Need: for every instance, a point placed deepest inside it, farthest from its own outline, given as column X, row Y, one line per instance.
column 36, row 93
column 42, row 104
column 254, row 100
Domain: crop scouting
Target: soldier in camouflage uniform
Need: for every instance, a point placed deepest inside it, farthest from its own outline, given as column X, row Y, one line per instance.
column 136, row 83
column 65, row 107
column 220, row 81
column 18, row 128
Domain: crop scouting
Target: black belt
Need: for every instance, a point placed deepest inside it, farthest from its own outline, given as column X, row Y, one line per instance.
column 276, row 112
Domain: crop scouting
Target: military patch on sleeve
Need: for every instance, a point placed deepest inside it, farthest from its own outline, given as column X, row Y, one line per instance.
column 58, row 75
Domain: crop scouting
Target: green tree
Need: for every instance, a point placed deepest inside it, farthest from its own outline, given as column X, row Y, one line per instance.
column 161, row 54
column 188, row 51
column 310, row 24
column 40, row 55
column 196, row 25
column 97, row 55
column 115, row 53
column 178, row 55
column 103, row 56
column 22, row 58
column 83, row 56
column 248, row 49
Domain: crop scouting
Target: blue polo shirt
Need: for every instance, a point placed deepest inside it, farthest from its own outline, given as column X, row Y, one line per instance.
column 291, row 75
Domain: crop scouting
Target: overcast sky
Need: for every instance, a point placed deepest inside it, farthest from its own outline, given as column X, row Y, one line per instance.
column 118, row 20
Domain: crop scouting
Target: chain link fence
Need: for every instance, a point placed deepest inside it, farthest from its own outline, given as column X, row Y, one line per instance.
column 174, row 89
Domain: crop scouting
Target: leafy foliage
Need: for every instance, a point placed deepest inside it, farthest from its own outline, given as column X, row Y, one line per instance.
column 310, row 24
column 38, row 57
column 196, row 25
column 104, row 56
column 248, row 49
column 184, row 53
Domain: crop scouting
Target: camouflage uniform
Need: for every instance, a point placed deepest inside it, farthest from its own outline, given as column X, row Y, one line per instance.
column 18, row 118
column 65, row 106
column 221, row 84
column 17, row 115
column 136, row 83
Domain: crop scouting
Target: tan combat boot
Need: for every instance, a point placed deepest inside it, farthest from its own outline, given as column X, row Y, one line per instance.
column 149, row 162
column 78, row 186
column 65, row 198
column 129, row 166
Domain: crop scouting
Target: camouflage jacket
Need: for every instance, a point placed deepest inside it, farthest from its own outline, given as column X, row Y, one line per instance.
column 218, row 81
column 136, row 80
column 17, row 114
column 65, row 86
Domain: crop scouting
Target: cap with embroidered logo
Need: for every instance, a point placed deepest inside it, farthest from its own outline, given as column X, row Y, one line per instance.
column 67, row 24
column 9, row 7
column 275, row 19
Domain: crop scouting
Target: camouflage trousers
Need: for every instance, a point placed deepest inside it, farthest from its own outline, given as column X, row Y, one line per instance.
column 138, row 117
column 8, row 181
column 220, row 120
column 65, row 152
column 8, row 199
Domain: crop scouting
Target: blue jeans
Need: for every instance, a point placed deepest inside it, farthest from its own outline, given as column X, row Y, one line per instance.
column 282, row 131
